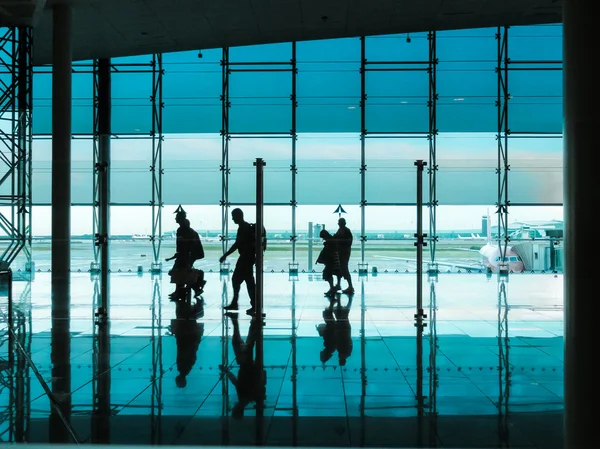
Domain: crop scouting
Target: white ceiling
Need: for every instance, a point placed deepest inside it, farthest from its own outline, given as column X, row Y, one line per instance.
column 112, row 28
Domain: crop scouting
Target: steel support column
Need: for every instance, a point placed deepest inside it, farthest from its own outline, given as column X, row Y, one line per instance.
column 420, row 315
column 16, row 74
column 101, row 181
column 157, row 159
column 294, row 135
column 225, row 138
column 580, row 169
column 503, row 167
column 363, row 156
column 259, row 306
column 432, row 138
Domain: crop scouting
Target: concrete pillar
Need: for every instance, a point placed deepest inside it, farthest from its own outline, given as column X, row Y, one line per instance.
column 581, row 165
column 61, row 220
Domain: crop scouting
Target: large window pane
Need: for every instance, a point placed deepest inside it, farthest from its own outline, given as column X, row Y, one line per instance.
column 277, row 154
column 191, row 169
column 391, row 175
column 536, row 174
column 191, row 92
column 328, row 86
column 466, row 81
column 328, row 169
column 467, row 166
column 130, row 176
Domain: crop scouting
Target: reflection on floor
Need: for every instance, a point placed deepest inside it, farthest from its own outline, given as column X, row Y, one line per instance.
column 487, row 372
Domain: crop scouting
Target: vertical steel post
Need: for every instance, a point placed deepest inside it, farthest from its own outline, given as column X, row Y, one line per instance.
column 294, row 135
column 363, row 136
column 225, row 138
column 259, row 306
column 502, row 136
column 24, row 139
column 157, row 160
column 420, row 243
column 310, row 246
column 103, row 170
column 432, row 138
column 420, row 315
column 95, row 266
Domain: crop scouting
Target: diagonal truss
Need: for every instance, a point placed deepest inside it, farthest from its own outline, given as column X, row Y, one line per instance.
column 16, row 77
column 157, row 159
column 432, row 138
column 225, row 139
column 502, row 136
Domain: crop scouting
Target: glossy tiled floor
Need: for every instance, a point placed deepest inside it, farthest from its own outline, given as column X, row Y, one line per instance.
column 487, row 372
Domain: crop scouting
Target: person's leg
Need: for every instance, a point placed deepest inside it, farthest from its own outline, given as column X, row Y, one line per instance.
column 250, row 286
column 236, row 284
column 347, row 277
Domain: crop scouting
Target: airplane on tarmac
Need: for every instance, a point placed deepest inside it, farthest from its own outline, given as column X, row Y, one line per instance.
column 488, row 260
column 491, row 256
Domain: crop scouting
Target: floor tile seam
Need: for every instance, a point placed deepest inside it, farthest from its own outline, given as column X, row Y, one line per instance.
column 348, row 427
column 96, row 377
column 192, row 416
column 288, row 368
column 149, row 385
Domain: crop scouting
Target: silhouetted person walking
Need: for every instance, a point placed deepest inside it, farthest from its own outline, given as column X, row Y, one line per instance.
column 248, row 383
column 245, row 244
column 343, row 238
column 330, row 258
column 188, row 249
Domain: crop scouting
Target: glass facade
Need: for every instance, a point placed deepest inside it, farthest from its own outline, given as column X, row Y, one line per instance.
column 338, row 122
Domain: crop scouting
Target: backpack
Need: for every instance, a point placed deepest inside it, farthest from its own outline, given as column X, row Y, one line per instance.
column 264, row 237
column 197, row 250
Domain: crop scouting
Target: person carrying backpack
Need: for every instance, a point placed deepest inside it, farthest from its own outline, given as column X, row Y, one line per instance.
column 245, row 244
column 188, row 249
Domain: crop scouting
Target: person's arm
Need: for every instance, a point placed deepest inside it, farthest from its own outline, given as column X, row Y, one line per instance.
column 230, row 251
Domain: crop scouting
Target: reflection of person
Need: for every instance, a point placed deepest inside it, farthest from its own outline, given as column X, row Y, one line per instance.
column 343, row 238
column 336, row 332
column 248, row 383
column 330, row 258
column 188, row 333
column 244, row 268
